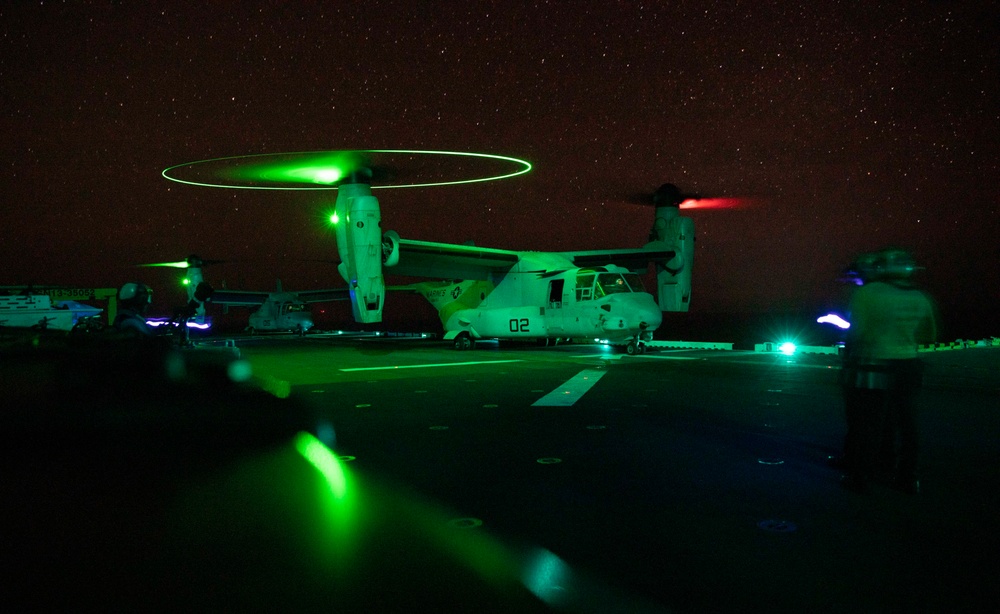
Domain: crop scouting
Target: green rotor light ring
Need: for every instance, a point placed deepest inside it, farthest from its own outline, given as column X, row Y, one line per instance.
column 307, row 171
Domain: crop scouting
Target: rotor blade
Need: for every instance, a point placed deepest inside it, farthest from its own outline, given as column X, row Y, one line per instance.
column 183, row 264
column 663, row 195
column 668, row 193
column 191, row 261
column 727, row 202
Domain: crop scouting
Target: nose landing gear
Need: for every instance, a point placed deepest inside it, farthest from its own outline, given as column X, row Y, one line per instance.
column 635, row 347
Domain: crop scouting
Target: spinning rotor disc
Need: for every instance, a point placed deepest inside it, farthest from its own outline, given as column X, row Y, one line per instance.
column 325, row 170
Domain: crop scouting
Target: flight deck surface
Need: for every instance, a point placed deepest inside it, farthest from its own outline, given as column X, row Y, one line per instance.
column 681, row 480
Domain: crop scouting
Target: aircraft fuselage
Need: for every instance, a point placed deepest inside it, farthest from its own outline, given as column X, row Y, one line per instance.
column 535, row 301
column 280, row 315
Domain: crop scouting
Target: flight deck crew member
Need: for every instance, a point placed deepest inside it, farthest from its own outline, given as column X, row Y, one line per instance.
column 889, row 318
column 133, row 301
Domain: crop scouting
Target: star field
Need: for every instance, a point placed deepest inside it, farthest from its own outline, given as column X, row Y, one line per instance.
column 851, row 126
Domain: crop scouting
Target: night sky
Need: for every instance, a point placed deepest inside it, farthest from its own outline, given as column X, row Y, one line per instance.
column 852, row 126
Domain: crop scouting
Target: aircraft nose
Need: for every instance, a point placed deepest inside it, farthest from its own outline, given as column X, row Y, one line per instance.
column 650, row 319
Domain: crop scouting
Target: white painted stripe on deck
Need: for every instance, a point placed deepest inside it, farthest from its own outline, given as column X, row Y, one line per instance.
column 442, row 364
column 571, row 391
column 784, row 363
column 620, row 356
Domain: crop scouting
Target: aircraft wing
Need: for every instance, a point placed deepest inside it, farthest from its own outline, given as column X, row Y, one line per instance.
column 323, row 296
column 633, row 259
column 451, row 261
column 238, row 298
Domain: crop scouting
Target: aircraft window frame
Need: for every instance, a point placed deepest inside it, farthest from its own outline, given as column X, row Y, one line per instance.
column 286, row 308
column 585, row 286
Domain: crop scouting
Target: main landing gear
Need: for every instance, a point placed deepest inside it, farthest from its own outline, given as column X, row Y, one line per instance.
column 463, row 342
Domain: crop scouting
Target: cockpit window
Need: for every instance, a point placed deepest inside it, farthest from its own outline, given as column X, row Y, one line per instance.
column 634, row 282
column 590, row 286
column 610, row 283
column 296, row 307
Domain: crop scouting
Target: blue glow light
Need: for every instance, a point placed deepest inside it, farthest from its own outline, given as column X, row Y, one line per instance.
column 162, row 322
column 832, row 318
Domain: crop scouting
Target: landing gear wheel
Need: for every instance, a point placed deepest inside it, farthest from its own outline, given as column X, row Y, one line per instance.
column 632, row 348
column 251, row 331
column 463, row 342
column 642, row 348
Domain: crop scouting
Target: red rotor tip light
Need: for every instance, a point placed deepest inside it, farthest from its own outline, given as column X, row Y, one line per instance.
column 715, row 203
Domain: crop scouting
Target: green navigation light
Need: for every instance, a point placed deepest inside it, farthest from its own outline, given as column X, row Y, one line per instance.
column 183, row 264
column 334, row 219
column 321, row 170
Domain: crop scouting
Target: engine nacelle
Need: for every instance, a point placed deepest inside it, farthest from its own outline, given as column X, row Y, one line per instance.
column 359, row 244
column 673, row 278
column 390, row 248
column 198, row 291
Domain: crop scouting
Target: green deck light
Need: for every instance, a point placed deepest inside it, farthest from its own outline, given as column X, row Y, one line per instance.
column 787, row 348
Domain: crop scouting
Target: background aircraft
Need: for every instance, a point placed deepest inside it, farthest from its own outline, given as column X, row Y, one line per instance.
column 29, row 308
column 277, row 311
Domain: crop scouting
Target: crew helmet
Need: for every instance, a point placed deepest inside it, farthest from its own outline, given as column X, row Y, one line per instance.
column 135, row 295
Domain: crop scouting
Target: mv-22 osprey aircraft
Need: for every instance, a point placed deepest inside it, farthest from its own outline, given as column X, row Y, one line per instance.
column 484, row 293
column 279, row 311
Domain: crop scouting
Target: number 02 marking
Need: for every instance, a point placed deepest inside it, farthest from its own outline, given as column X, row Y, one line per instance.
column 519, row 326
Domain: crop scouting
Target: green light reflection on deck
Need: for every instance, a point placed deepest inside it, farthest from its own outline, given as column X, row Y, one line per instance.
column 323, row 459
